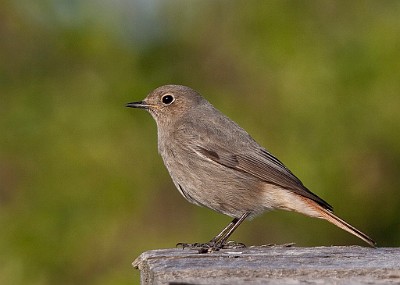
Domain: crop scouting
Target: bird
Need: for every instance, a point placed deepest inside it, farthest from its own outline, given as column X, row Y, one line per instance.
column 214, row 163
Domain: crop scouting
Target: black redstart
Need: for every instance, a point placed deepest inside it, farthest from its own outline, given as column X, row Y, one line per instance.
column 216, row 164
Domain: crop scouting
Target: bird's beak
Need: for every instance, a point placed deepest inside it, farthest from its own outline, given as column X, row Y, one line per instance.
column 140, row 104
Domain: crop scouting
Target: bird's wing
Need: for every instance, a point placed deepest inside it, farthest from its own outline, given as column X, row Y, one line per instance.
column 263, row 165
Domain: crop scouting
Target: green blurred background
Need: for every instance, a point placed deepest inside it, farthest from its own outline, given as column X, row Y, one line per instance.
column 82, row 189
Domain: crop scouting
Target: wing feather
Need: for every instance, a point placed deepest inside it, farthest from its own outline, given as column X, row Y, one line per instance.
column 263, row 165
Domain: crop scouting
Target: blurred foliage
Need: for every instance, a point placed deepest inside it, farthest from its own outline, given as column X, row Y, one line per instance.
column 82, row 188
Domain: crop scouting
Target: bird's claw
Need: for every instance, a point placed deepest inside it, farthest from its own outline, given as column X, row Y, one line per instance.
column 211, row 246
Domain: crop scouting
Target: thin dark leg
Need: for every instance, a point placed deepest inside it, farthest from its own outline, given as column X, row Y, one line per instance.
column 223, row 240
column 219, row 240
column 222, row 233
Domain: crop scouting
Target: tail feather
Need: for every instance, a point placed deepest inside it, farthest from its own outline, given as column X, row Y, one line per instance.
column 328, row 215
column 291, row 201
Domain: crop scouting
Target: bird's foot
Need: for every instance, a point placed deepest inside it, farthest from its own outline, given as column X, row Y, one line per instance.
column 200, row 247
column 195, row 245
column 211, row 246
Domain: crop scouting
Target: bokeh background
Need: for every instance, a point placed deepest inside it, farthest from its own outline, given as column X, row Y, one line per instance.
column 82, row 189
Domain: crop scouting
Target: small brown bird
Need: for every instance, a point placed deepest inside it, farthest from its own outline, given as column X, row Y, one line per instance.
column 214, row 163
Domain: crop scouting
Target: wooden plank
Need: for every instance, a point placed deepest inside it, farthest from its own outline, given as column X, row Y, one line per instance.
column 271, row 265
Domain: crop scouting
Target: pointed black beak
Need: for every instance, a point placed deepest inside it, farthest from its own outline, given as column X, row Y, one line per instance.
column 140, row 104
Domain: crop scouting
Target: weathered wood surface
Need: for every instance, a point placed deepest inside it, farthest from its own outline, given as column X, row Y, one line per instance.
column 271, row 265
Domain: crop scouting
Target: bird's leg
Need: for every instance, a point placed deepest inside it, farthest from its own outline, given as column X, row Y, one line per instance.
column 212, row 242
column 222, row 233
column 220, row 240
column 236, row 223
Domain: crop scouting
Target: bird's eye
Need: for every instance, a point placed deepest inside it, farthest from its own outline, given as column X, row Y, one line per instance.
column 167, row 99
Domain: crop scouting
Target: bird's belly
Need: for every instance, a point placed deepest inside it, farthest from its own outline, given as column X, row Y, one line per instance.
column 209, row 184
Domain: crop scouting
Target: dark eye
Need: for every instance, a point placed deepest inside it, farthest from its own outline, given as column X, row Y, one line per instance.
column 167, row 99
